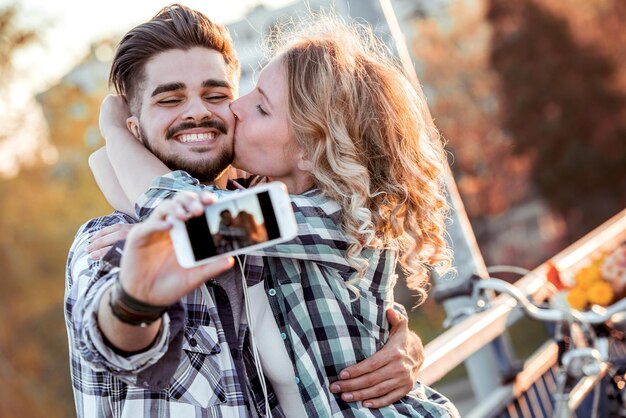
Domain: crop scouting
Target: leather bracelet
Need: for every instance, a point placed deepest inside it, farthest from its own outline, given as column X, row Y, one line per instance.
column 132, row 311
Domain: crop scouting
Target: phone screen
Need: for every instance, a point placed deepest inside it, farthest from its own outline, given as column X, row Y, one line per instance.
column 232, row 225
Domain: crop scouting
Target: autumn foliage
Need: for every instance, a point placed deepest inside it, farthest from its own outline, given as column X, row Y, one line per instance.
column 563, row 97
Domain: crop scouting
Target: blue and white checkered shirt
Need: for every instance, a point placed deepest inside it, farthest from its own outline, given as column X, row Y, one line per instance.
column 190, row 371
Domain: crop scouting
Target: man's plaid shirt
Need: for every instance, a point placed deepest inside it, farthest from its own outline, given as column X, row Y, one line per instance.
column 188, row 372
column 323, row 328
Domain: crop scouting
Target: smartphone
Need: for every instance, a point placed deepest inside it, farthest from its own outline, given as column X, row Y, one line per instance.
column 243, row 221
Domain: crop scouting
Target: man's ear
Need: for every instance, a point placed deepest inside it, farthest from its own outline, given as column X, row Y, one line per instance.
column 133, row 126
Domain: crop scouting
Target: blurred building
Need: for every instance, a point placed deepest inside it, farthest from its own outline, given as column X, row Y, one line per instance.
column 71, row 109
column 71, row 106
column 260, row 21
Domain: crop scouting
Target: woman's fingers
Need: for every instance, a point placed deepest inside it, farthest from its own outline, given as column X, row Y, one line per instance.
column 99, row 253
column 107, row 231
column 104, row 239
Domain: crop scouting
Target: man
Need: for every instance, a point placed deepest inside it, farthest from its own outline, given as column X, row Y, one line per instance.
column 140, row 358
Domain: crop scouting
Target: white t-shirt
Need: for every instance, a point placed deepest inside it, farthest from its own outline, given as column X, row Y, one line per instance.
column 277, row 366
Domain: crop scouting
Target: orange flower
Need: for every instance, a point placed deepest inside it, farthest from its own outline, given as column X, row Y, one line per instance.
column 587, row 276
column 600, row 293
column 577, row 298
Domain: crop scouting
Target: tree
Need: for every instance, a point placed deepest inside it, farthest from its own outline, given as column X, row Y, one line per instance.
column 13, row 37
column 22, row 130
column 564, row 100
column 462, row 92
column 40, row 210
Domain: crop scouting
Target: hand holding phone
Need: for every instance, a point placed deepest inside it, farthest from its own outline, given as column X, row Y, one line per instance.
column 241, row 222
column 149, row 269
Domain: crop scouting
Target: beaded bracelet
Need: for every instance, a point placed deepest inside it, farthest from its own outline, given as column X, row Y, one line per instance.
column 133, row 311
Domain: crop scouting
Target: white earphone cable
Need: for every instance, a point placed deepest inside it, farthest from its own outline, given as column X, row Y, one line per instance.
column 255, row 351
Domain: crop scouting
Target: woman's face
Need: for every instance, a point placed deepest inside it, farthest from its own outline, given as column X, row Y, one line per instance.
column 263, row 142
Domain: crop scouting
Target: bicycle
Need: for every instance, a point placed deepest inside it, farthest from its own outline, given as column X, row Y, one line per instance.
column 591, row 344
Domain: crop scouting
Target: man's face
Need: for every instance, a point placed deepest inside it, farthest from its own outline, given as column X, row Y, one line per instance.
column 227, row 217
column 184, row 117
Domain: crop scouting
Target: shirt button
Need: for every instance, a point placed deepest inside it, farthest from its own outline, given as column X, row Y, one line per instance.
column 283, row 336
column 297, row 380
column 272, row 292
column 193, row 342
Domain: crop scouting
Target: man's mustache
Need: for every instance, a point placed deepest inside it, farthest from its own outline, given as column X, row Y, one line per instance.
column 215, row 124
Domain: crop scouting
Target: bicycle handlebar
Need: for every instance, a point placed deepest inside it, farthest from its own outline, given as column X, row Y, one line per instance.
column 474, row 285
column 550, row 314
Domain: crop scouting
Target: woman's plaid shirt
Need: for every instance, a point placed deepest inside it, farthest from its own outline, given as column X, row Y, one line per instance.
column 323, row 329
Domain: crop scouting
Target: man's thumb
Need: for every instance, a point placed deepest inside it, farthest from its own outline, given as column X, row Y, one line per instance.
column 215, row 268
column 394, row 317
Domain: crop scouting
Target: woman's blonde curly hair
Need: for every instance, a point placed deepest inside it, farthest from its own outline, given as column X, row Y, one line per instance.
column 371, row 142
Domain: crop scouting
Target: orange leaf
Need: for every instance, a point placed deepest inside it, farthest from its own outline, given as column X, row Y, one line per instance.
column 554, row 276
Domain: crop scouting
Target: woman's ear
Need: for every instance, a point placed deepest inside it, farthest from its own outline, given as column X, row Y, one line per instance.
column 133, row 126
column 304, row 164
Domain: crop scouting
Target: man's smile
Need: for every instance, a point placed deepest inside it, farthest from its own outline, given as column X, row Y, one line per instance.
column 191, row 133
column 196, row 137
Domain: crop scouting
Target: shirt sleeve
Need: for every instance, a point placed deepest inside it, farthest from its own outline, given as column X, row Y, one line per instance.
column 87, row 280
column 400, row 308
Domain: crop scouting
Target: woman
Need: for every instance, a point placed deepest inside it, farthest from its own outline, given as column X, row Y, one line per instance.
column 334, row 119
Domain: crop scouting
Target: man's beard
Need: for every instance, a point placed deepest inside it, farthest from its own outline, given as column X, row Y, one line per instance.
column 206, row 170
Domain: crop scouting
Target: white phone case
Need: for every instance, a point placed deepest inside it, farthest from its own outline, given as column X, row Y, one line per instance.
column 283, row 216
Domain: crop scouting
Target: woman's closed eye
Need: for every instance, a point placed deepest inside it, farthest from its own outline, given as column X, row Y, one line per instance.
column 261, row 111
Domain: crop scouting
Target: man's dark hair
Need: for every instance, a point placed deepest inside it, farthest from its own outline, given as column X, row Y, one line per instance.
column 174, row 27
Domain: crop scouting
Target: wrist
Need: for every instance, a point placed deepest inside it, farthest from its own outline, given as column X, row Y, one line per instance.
column 112, row 131
column 132, row 311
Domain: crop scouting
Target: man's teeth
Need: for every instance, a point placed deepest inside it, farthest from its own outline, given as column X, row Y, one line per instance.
column 197, row 137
